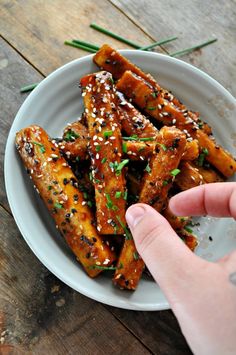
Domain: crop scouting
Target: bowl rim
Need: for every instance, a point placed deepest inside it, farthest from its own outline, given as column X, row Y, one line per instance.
column 31, row 97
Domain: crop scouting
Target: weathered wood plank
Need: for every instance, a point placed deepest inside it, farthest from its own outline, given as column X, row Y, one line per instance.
column 14, row 73
column 40, row 314
column 159, row 330
column 193, row 23
column 38, row 29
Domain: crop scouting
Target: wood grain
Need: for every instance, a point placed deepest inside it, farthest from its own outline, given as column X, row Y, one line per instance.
column 193, row 22
column 14, row 73
column 159, row 330
column 41, row 314
column 43, row 26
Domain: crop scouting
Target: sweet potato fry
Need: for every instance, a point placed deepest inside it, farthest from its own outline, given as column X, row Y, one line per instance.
column 216, row 155
column 109, row 59
column 133, row 122
column 57, row 186
column 191, row 151
column 188, row 177
column 105, row 149
column 75, row 141
column 189, row 239
column 129, row 267
column 177, row 223
column 160, row 108
column 161, row 171
column 157, row 182
column 157, row 104
column 209, row 175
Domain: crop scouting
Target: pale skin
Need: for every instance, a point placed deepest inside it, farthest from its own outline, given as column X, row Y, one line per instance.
column 201, row 294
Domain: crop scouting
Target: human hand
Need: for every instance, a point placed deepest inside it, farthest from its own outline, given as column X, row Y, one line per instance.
column 202, row 294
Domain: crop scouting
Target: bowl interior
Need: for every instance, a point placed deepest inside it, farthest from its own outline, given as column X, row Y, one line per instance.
column 57, row 101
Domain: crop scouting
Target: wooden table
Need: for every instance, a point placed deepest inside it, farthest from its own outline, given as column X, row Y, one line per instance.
column 38, row 313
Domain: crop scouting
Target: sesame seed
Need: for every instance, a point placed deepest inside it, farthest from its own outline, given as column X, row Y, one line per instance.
column 106, row 261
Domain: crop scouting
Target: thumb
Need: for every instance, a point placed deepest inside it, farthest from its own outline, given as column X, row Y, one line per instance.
column 169, row 260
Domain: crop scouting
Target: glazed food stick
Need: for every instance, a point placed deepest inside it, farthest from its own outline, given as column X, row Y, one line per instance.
column 109, row 59
column 188, row 177
column 215, row 154
column 105, row 148
column 162, row 110
column 157, row 181
column 163, row 168
column 58, row 187
column 75, row 140
column 133, row 122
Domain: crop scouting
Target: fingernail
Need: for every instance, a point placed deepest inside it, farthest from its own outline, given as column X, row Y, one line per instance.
column 134, row 214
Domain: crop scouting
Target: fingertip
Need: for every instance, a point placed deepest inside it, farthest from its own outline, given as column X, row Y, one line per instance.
column 173, row 205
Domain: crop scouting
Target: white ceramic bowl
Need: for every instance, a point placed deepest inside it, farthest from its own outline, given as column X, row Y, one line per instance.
column 55, row 102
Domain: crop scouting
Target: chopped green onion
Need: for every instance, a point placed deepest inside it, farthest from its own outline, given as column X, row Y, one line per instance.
column 191, row 49
column 76, row 45
column 154, row 94
column 136, row 138
column 42, row 147
column 188, row 229
column 136, row 256
column 28, row 87
column 202, row 156
column 70, row 136
column 117, row 194
column 121, row 166
column 107, row 134
column 90, row 204
column 165, row 182
column 159, row 43
column 127, row 232
column 152, row 108
column 77, row 159
column 85, row 195
column 98, row 148
column 100, row 267
column 162, row 146
column 124, row 147
column 175, row 172
column 148, row 169
column 109, row 203
column 205, row 151
column 103, row 160
column 114, row 35
column 125, row 195
column 49, row 187
column 58, row 205
column 86, row 44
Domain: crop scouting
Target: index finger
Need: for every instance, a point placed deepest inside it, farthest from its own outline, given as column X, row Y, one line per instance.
column 217, row 200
